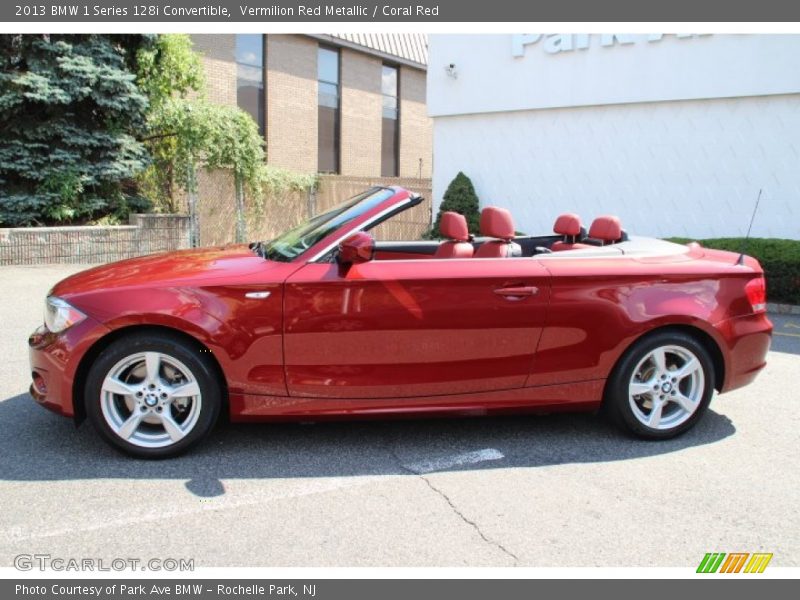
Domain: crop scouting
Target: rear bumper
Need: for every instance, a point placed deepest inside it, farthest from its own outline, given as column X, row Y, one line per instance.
column 54, row 360
column 748, row 339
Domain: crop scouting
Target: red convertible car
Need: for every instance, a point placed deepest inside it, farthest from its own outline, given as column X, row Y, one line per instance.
column 324, row 321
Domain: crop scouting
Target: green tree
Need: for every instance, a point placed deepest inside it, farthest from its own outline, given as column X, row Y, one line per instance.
column 214, row 136
column 92, row 123
column 168, row 71
column 460, row 197
column 185, row 132
column 70, row 111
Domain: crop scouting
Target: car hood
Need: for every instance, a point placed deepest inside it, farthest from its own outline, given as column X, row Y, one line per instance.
column 180, row 268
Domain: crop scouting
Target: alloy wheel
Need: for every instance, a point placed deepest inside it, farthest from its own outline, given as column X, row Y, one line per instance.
column 666, row 387
column 150, row 399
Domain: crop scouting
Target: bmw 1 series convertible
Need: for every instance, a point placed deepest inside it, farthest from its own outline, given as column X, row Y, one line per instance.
column 326, row 322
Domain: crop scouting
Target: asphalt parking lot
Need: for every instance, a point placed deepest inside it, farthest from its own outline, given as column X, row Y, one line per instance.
column 559, row 490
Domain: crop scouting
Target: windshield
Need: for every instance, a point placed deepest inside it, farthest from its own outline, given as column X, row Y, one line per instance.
column 297, row 240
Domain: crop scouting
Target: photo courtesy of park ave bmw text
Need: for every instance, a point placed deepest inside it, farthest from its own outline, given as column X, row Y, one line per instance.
column 340, row 299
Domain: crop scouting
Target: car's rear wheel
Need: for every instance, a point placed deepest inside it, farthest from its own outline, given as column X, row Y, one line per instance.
column 152, row 395
column 661, row 386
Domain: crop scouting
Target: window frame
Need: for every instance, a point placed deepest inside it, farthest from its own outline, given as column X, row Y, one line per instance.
column 337, row 146
column 396, row 149
column 260, row 123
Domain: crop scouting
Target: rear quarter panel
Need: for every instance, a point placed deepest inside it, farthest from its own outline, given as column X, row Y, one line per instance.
column 600, row 306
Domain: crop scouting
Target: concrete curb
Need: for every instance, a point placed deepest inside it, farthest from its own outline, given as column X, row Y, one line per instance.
column 783, row 309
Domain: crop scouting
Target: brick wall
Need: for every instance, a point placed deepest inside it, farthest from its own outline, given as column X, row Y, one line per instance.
column 416, row 128
column 219, row 61
column 361, row 114
column 292, row 102
column 291, row 98
column 146, row 234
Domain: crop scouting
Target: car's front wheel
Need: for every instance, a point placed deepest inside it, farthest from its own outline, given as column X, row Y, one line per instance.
column 152, row 395
column 661, row 386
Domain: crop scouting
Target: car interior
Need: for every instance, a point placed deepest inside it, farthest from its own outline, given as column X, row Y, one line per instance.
column 498, row 238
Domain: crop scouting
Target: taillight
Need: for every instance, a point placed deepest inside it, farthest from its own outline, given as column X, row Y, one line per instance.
column 756, row 290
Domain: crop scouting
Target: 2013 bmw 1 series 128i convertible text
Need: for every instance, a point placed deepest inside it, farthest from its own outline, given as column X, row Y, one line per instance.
column 326, row 322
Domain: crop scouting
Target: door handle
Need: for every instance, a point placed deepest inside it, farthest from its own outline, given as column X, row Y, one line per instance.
column 517, row 293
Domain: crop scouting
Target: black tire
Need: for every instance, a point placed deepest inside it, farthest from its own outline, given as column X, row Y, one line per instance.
column 169, row 346
column 617, row 402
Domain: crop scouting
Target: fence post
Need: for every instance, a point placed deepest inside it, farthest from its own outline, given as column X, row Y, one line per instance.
column 311, row 202
column 241, row 231
column 194, row 224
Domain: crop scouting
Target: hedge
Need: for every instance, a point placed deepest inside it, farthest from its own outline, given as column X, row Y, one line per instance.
column 779, row 258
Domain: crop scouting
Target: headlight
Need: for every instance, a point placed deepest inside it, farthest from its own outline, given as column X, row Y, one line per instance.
column 59, row 315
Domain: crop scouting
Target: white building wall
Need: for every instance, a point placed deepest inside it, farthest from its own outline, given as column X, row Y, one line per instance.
column 689, row 167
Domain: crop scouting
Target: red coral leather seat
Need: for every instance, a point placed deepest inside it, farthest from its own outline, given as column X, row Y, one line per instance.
column 569, row 226
column 606, row 230
column 497, row 223
column 453, row 226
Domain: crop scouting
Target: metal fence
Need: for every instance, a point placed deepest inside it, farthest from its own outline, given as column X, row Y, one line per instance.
column 266, row 217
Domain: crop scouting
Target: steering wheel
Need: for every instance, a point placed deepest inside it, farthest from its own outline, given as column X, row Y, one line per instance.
column 543, row 250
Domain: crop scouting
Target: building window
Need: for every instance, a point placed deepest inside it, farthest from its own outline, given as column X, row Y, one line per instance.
column 390, row 123
column 328, row 105
column 250, row 77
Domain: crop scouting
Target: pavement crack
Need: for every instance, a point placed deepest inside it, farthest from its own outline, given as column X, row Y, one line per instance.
column 453, row 507
column 468, row 521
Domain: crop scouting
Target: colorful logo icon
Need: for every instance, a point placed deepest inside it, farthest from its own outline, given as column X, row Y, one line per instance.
column 734, row 562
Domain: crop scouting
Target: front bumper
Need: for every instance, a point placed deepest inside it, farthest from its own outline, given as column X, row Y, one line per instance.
column 54, row 360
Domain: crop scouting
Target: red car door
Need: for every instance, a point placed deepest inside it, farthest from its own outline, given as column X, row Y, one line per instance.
column 391, row 329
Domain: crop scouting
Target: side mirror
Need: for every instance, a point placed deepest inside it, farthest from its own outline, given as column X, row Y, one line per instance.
column 358, row 248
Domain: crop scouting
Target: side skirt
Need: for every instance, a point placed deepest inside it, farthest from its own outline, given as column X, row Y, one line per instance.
column 582, row 395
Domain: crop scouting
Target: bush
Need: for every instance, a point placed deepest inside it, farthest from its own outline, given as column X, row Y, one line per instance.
column 779, row 258
column 459, row 197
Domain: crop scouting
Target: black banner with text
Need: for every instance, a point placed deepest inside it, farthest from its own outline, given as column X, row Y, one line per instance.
column 468, row 11
column 385, row 589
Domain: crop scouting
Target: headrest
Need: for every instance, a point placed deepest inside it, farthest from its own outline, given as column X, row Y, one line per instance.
column 606, row 228
column 496, row 222
column 453, row 226
column 568, row 224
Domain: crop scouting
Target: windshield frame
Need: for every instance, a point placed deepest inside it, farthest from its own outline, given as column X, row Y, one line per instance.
column 398, row 201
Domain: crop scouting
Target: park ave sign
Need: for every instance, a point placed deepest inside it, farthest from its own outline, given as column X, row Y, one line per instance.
column 568, row 42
